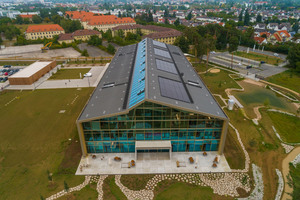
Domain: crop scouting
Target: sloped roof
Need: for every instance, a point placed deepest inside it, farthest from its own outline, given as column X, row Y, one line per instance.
column 135, row 75
column 259, row 39
column 44, row 28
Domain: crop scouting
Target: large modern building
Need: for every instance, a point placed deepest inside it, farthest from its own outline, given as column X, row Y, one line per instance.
column 151, row 99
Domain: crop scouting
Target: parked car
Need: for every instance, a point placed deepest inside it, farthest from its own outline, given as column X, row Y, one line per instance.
column 5, row 79
column 88, row 75
column 1, row 79
column 262, row 62
column 7, row 66
column 276, row 54
column 6, row 73
column 249, row 66
column 212, row 52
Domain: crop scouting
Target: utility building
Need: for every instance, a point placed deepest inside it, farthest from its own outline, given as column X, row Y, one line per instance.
column 151, row 99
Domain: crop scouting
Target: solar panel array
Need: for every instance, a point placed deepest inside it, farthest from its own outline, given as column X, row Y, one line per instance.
column 173, row 89
column 166, row 66
column 160, row 44
column 162, row 53
column 137, row 93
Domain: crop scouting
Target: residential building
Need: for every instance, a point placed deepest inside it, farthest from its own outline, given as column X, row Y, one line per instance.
column 273, row 26
column 260, row 40
column 279, row 36
column 151, row 99
column 260, row 26
column 35, row 32
column 78, row 35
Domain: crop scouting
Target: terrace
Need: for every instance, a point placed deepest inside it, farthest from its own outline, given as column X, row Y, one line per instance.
column 152, row 163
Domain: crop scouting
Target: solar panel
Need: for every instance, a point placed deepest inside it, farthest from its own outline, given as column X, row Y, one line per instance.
column 162, row 53
column 166, row 66
column 160, row 44
column 173, row 89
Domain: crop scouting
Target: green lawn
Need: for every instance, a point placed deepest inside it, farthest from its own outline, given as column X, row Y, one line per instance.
column 287, row 79
column 287, row 126
column 218, row 82
column 111, row 191
column 69, row 73
column 136, row 182
column 295, row 177
column 259, row 57
column 35, row 138
column 87, row 193
column 184, row 191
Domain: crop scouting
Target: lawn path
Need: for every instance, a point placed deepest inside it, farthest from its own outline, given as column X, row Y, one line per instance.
column 285, row 171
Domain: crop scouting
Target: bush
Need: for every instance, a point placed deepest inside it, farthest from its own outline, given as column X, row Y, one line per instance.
column 84, row 53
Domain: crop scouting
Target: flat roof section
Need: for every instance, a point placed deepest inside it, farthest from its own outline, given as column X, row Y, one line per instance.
column 30, row 70
column 153, row 144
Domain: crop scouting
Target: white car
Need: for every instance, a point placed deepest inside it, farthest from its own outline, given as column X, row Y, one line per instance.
column 212, row 52
column 240, row 64
column 276, row 54
column 88, row 75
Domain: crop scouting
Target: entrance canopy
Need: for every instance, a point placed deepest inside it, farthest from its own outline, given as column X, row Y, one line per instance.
column 145, row 145
column 153, row 145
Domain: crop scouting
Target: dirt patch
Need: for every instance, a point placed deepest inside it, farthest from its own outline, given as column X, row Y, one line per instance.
column 214, row 71
column 71, row 158
column 254, row 82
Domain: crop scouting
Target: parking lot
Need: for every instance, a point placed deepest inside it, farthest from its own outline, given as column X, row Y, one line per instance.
column 5, row 72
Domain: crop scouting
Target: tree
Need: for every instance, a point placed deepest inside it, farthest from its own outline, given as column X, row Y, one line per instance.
column 177, row 22
column 26, row 21
column 19, row 20
column 121, row 33
column 36, row 19
column 241, row 16
column 111, row 49
column 182, row 43
column 174, row 15
column 66, row 186
column 247, row 18
column 119, row 15
column 258, row 18
column 166, row 13
column 294, row 57
column 47, row 20
column 150, row 17
column 95, row 40
column 233, row 45
column 296, row 27
column 209, row 43
column 84, row 53
column 189, row 16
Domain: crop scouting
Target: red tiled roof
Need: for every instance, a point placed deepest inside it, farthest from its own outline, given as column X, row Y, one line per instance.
column 284, row 33
column 69, row 36
column 44, row 28
column 259, row 39
column 66, row 36
column 26, row 16
column 277, row 37
column 109, row 19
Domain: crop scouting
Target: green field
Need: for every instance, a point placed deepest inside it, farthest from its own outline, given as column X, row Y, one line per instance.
column 287, row 126
column 184, row 191
column 69, row 74
column 287, row 79
column 259, row 57
column 35, row 138
column 257, row 96
column 136, row 182
column 111, row 191
column 218, row 82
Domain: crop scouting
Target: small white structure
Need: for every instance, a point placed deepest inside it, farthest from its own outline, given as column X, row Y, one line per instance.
column 230, row 104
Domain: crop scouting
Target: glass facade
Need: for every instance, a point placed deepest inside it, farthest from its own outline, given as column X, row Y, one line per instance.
column 187, row 131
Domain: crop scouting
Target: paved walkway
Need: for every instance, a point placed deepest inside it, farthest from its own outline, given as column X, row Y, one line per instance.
column 285, row 172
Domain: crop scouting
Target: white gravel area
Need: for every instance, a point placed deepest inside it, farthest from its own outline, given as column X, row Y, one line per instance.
column 280, row 185
column 296, row 160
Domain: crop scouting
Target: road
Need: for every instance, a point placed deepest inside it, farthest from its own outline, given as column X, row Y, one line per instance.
column 240, row 64
column 92, row 50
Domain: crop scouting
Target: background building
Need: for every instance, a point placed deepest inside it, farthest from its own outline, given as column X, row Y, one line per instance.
column 150, row 92
column 35, row 32
column 32, row 73
column 78, row 35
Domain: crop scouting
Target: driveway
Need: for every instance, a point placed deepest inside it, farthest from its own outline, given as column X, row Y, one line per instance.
column 92, row 50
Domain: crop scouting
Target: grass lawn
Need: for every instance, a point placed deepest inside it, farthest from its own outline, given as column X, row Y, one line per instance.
column 233, row 151
column 111, row 191
column 136, row 182
column 287, row 79
column 219, row 100
column 35, row 138
column 179, row 190
column 259, row 57
column 218, row 82
column 69, row 73
column 295, row 175
column 287, row 126
column 16, row 63
column 89, row 192
column 255, row 96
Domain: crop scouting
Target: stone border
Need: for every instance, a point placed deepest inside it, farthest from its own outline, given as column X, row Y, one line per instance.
column 280, row 185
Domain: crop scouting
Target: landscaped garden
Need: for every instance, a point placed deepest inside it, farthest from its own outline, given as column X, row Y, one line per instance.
column 259, row 57
column 69, row 73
